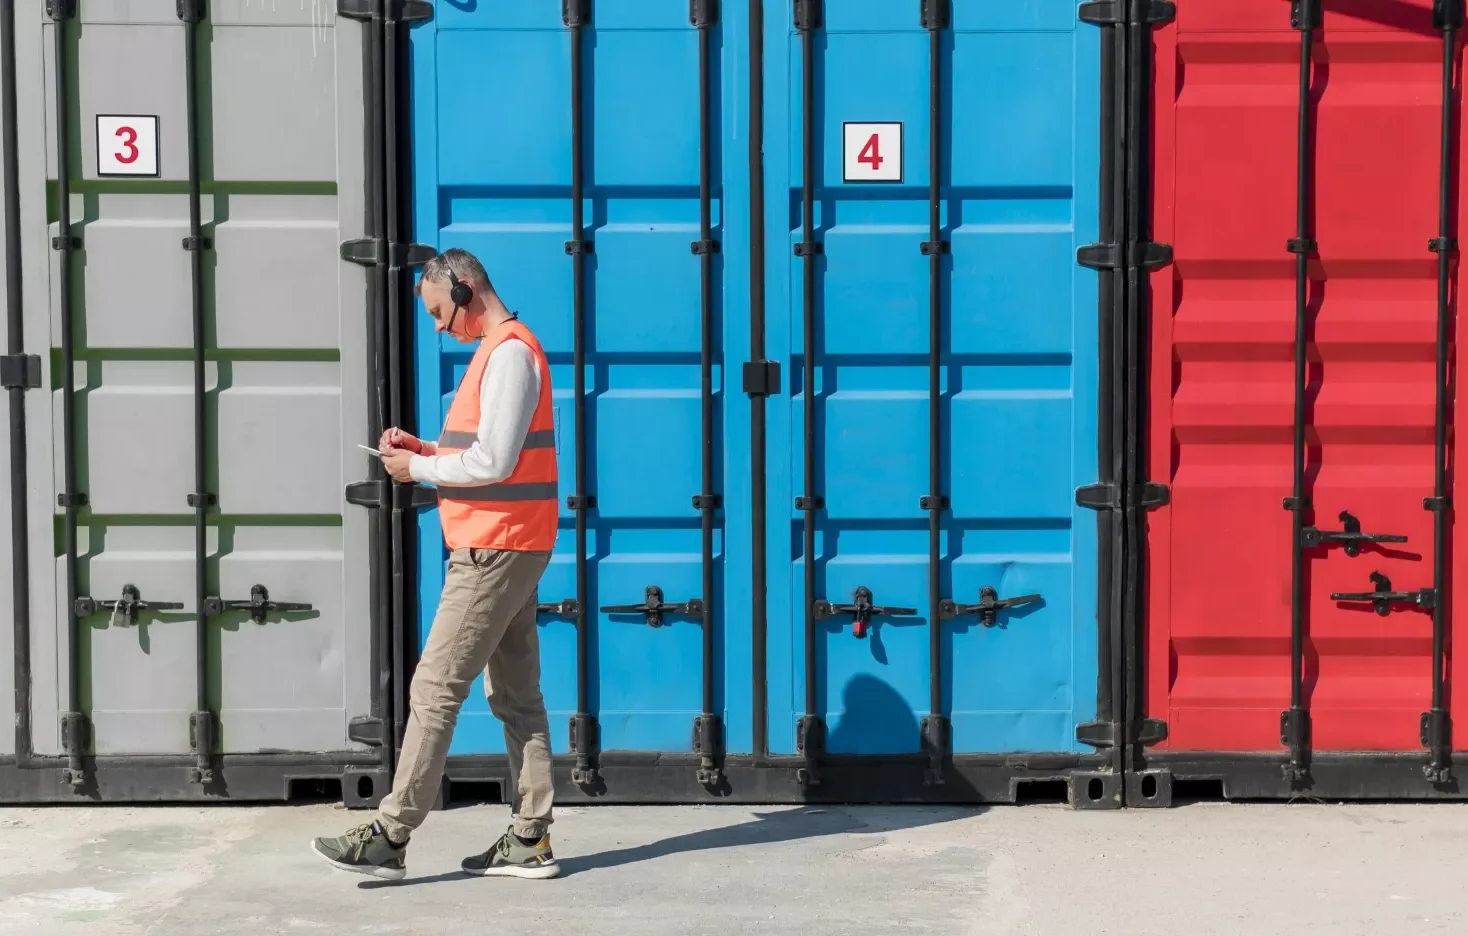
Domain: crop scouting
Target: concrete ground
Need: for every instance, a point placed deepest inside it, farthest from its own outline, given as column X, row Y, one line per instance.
column 1253, row 870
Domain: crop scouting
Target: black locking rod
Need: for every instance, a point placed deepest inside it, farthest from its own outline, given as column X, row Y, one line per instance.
column 812, row 727
column 1436, row 725
column 575, row 14
column 759, row 522
column 703, row 16
column 1295, row 723
column 77, row 732
column 934, row 728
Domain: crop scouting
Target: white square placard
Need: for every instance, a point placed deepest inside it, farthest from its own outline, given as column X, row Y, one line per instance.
column 871, row 152
column 127, row 145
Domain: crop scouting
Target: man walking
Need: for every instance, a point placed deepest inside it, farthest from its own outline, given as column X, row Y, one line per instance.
column 494, row 466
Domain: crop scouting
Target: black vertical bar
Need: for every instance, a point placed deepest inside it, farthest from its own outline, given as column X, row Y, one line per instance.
column 812, row 726
column 1436, row 729
column 74, row 731
column 15, row 346
column 703, row 14
column 1295, row 723
column 759, row 615
column 934, row 16
column 575, row 14
column 393, row 673
column 203, row 722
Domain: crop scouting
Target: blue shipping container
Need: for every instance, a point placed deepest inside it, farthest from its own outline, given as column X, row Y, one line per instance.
column 492, row 125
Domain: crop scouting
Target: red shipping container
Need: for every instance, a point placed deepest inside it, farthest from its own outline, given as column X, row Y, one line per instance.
column 1222, row 390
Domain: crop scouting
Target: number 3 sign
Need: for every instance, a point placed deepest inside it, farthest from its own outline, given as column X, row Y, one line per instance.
column 127, row 146
column 871, row 152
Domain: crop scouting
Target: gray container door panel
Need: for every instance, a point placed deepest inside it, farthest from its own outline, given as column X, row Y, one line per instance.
column 274, row 256
column 275, row 103
column 123, row 12
column 279, row 424
column 140, row 676
column 127, row 70
column 285, row 683
column 135, row 437
column 34, row 110
column 135, row 287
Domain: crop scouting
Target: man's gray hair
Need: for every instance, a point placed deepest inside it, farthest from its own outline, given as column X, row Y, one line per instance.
column 464, row 265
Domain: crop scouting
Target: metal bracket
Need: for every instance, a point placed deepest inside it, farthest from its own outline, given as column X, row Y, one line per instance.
column 1146, row 255
column 1436, row 734
column 126, row 608
column 258, row 604
column 76, row 737
column 1127, row 12
column 933, row 14
column 1294, row 733
column 366, row 493
column 936, row 743
column 1447, row 13
column 1305, row 14
column 201, row 739
column 701, row 247
column 708, row 734
column 71, row 500
column 810, row 743
column 585, row 502
column 566, row 607
column 988, row 608
column 190, row 11
column 389, row 11
column 66, row 242
column 61, row 9
column 1351, row 536
column 930, row 248
column 809, row 248
column 575, row 247
column 1103, row 734
column 584, row 739
column 707, row 502
column 1112, row 495
column 367, row 729
column 703, row 13
column 20, row 371
column 809, row 503
column 653, row 607
column 807, row 14
column 1302, row 245
column 575, row 12
column 762, row 378
column 861, row 610
column 371, row 251
column 200, row 500
column 1382, row 597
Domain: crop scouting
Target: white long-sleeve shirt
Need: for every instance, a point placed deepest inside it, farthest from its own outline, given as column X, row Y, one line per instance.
column 508, row 393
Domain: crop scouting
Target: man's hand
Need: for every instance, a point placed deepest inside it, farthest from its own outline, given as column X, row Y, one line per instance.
column 395, row 460
column 397, row 438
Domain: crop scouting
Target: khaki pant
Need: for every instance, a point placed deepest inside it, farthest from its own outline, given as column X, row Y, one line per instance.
column 485, row 623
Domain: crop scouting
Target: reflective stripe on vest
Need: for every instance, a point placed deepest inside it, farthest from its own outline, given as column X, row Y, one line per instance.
column 520, row 512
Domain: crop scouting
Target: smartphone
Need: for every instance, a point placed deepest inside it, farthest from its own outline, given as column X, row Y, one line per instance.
column 368, row 448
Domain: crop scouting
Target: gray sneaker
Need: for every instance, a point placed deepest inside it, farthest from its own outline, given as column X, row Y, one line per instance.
column 365, row 850
column 510, row 857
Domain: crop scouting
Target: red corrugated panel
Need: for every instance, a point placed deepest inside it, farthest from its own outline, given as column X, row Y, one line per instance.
column 1222, row 370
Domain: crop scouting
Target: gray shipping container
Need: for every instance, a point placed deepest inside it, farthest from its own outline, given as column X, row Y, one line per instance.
column 287, row 384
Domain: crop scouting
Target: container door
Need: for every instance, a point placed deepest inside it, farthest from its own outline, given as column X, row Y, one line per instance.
column 495, row 172
column 285, row 386
column 1016, row 431
column 1223, row 395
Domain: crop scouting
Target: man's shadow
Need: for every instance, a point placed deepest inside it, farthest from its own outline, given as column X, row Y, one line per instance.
column 871, row 710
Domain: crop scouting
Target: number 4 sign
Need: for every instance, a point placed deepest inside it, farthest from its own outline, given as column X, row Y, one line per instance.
column 127, row 146
column 871, row 152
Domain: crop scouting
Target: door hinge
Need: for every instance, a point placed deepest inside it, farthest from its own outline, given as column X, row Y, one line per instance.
column 933, row 14
column 1147, row 255
column 190, row 11
column 1100, row 734
column 20, row 371
column 61, row 9
column 1108, row 495
column 367, row 729
column 807, row 14
column 1127, row 12
column 370, row 251
column 703, row 13
column 388, row 11
column 761, row 378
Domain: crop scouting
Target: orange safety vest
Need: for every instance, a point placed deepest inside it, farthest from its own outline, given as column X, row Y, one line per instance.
column 518, row 513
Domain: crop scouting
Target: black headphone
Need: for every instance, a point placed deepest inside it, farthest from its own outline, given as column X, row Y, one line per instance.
column 460, row 294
